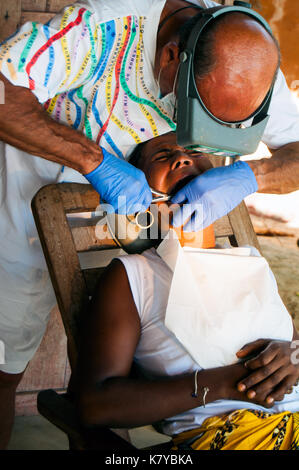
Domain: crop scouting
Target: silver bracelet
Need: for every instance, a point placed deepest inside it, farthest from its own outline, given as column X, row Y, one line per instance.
column 195, row 393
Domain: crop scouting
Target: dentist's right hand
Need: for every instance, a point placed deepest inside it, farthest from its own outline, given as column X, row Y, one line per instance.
column 121, row 185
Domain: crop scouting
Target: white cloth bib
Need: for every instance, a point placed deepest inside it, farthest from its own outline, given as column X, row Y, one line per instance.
column 216, row 292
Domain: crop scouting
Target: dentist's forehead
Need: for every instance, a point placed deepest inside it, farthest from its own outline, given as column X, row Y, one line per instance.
column 246, row 59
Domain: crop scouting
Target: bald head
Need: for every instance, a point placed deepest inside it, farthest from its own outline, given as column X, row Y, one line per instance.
column 235, row 65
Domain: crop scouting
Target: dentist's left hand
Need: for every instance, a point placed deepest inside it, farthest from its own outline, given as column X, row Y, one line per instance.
column 121, row 185
column 212, row 195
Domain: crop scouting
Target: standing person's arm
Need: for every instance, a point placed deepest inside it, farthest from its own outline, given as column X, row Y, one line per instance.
column 40, row 63
column 25, row 124
column 280, row 173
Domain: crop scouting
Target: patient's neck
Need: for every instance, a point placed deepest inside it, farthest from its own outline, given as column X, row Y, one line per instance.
column 201, row 239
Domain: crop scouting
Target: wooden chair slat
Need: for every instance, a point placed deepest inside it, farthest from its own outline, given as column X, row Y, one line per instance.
column 62, row 259
column 242, row 227
column 223, row 227
column 78, row 197
column 89, row 239
column 60, row 411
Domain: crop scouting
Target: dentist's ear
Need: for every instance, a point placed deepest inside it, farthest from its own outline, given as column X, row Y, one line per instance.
column 169, row 62
column 170, row 52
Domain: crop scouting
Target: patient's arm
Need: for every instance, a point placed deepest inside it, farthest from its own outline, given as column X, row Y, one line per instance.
column 274, row 369
column 106, row 395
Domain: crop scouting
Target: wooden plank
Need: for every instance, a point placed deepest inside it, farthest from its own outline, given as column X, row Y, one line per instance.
column 67, row 374
column 34, row 5
column 41, row 372
column 242, row 226
column 62, row 260
column 88, row 239
column 10, row 17
column 39, row 17
column 222, row 227
column 57, row 5
column 78, row 197
column 25, row 404
column 62, row 413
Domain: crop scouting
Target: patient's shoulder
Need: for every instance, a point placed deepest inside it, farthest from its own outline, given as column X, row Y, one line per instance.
column 148, row 276
column 114, row 275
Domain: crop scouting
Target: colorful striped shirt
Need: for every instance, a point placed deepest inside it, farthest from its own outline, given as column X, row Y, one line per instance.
column 93, row 76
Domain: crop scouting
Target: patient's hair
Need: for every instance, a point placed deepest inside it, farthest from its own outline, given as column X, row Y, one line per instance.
column 135, row 157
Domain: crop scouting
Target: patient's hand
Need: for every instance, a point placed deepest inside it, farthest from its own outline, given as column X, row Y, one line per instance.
column 272, row 371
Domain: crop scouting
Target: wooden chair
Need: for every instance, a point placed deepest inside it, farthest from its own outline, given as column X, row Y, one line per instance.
column 63, row 243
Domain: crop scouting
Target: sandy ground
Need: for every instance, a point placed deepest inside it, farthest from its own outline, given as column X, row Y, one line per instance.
column 282, row 254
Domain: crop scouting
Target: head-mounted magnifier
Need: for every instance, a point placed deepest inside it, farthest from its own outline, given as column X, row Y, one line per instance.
column 196, row 126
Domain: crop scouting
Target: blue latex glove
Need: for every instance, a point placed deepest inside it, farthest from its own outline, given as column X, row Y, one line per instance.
column 212, row 195
column 121, row 185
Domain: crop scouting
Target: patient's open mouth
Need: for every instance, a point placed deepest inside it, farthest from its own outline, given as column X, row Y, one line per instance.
column 181, row 183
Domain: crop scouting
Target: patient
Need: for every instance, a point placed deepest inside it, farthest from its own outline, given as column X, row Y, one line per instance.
column 249, row 405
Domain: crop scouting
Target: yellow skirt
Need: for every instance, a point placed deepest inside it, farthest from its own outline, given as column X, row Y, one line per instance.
column 243, row 430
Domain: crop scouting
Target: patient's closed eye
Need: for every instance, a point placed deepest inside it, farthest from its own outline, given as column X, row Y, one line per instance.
column 163, row 154
column 194, row 153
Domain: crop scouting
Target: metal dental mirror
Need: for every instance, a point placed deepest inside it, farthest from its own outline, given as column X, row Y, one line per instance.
column 138, row 232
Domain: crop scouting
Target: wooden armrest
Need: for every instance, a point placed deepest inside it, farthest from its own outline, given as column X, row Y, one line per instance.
column 60, row 411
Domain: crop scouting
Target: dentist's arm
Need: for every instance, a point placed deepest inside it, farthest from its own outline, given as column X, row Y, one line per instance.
column 26, row 125
column 280, row 173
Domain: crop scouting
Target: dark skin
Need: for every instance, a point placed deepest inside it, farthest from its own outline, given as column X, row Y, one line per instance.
column 8, row 386
column 106, row 394
column 22, row 115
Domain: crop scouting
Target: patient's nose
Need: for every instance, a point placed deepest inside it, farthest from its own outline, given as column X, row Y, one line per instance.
column 180, row 159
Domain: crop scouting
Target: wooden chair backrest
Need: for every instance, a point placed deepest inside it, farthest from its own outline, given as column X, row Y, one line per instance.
column 62, row 244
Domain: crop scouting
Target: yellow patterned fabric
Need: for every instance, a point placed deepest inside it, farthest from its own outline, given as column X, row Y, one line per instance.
column 243, row 430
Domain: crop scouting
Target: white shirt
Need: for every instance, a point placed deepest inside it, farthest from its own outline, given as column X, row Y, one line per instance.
column 159, row 352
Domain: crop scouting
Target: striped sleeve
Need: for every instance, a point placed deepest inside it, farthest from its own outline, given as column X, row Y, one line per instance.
column 53, row 58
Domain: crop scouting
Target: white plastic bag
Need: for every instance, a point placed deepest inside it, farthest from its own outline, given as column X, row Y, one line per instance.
column 221, row 299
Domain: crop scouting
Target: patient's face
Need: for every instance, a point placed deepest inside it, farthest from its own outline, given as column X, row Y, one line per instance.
column 167, row 166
